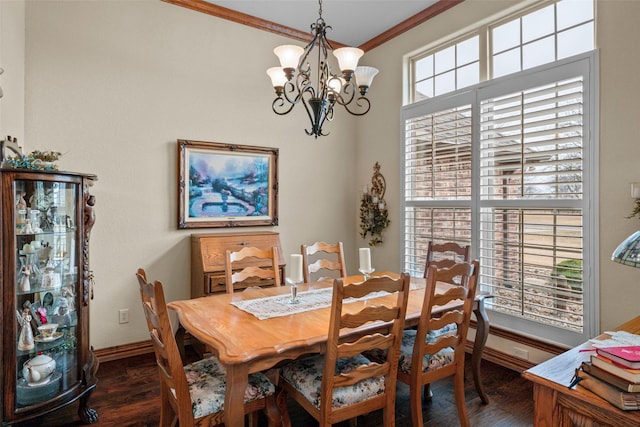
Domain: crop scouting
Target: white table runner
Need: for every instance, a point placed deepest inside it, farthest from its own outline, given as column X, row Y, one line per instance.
column 278, row 305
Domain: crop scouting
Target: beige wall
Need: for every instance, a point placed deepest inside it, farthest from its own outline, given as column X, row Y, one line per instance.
column 112, row 85
column 12, row 61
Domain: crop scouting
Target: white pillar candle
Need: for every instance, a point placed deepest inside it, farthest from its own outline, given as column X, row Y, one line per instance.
column 365, row 259
column 296, row 268
column 635, row 190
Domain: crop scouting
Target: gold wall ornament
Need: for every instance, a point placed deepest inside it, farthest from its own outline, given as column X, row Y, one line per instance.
column 374, row 217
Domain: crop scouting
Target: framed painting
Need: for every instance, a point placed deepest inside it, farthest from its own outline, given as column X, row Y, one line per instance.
column 226, row 185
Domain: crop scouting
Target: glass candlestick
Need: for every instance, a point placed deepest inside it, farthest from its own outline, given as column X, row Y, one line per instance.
column 294, row 291
column 367, row 273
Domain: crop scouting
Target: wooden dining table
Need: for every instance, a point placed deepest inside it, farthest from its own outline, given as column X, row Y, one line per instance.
column 244, row 344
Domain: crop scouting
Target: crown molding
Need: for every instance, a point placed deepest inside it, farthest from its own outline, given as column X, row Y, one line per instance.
column 282, row 30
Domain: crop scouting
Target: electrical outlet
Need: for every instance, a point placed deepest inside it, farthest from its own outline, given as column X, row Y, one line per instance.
column 521, row 353
column 123, row 315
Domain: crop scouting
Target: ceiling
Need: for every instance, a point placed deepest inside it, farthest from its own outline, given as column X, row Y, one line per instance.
column 353, row 22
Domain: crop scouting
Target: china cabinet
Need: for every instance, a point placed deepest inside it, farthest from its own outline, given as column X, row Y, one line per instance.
column 45, row 286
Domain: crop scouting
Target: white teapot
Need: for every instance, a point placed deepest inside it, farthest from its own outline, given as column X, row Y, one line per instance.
column 39, row 369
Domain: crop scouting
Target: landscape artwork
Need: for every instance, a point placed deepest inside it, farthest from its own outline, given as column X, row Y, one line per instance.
column 226, row 185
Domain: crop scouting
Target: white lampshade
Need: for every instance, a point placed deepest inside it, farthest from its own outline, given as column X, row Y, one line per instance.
column 365, row 75
column 348, row 57
column 335, row 83
column 289, row 55
column 278, row 78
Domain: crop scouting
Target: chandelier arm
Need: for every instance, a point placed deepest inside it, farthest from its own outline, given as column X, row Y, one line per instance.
column 279, row 107
column 361, row 102
column 291, row 89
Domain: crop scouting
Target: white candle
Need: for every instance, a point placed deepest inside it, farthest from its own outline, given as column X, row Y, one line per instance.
column 296, row 268
column 635, row 190
column 365, row 259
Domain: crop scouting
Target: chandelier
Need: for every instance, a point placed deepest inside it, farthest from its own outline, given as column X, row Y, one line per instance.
column 294, row 82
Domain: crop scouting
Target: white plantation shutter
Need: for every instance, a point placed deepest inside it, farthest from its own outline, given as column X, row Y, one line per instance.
column 437, row 158
column 509, row 167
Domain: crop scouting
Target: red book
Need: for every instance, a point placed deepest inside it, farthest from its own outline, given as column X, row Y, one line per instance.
column 627, row 356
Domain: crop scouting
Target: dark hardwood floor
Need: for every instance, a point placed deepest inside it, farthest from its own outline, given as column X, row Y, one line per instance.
column 128, row 395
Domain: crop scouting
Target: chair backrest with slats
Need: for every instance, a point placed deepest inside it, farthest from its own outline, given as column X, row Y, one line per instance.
column 388, row 339
column 253, row 271
column 173, row 382
column 458, row 314
column 333, row 262
column 444, row 255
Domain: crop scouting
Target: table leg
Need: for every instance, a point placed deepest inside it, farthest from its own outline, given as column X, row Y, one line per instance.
column 237, row 380
column 482, row 333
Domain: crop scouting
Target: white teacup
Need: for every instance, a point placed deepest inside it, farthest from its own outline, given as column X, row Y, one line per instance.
column 47, row 330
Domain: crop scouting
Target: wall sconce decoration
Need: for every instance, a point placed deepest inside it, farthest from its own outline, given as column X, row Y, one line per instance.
column 635, row 194
column 374, row 217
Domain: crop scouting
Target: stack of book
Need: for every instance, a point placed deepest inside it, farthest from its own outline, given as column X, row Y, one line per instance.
column 613, row 374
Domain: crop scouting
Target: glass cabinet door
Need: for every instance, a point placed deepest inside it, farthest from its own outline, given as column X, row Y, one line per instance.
column 46, row 288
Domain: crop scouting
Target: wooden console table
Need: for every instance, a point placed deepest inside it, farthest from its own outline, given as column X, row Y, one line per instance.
column 556, row 405
column 208, row 257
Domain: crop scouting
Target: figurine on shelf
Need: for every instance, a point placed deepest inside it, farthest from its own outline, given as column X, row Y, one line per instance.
column 22, row 203
column 27, row 229
column 25, row 341
column 23, row 284
column 61, row 315
column 69, row 295
column 50, row 279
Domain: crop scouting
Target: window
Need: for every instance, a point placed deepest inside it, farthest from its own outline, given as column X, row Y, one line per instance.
column 447, row 69
column 507, row 166
column 551, row 31
column 557, row 31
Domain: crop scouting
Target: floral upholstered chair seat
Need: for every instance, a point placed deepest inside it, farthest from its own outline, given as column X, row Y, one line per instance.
column 306, row 376
column 430, row 361
column 408, row 337
column 207, row 386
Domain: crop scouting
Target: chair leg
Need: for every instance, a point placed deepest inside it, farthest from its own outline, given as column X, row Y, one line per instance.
column 458, row 390
column 415, row 398
column 167, row 417
column 273, row 413
column 427, row 393
column 253, row 419
column 281, row 403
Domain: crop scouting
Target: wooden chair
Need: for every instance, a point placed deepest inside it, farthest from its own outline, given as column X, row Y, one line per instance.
column 444, row 255
column 252, row 271
column 193, row 395
column 336, row 264
column 354, row 385
column 436, row 349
